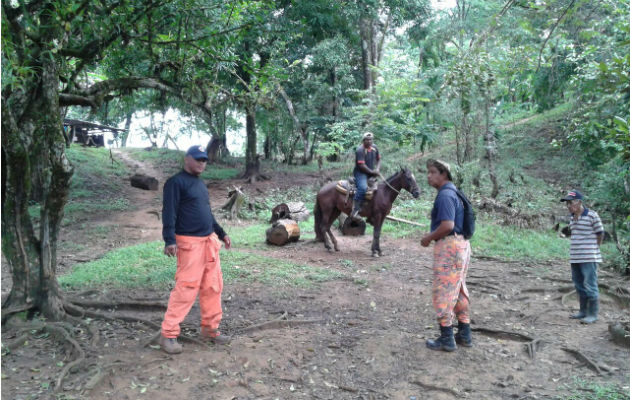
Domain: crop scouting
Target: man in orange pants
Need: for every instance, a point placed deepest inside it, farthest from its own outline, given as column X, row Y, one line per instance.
column 192, row 235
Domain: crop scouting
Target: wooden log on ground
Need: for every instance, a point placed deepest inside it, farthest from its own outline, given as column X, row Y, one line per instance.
column 293, row 210
column 348, row 227
column 282, row 232
column 402, row 220
column 145, row 182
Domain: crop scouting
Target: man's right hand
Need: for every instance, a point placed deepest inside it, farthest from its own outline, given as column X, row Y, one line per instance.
column 170, row 250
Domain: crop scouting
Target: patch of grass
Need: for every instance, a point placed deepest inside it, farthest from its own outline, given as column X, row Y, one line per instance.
column 214, row 172
column 512, row 243
column 252, row 267
column 146, row 266
column 585, row 390
column 171, row 161
column 78, row 210
column 157, row 155
column 93, row 185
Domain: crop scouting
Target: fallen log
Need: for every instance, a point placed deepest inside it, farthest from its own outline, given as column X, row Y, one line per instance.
column 144, row 182
column 282, row 232
column 403, row 221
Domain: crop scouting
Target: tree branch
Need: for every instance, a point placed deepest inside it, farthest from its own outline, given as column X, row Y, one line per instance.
column 553, row 28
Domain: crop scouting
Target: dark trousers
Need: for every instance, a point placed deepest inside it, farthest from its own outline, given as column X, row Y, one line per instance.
column 361, row 181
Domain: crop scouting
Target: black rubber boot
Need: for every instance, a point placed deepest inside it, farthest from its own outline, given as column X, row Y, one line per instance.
column 445, row 342
column 592, row 308
column 463, row 336
column 582, row 313
column 356, row 208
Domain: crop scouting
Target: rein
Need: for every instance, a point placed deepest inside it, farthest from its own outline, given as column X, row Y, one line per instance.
column 387, row 183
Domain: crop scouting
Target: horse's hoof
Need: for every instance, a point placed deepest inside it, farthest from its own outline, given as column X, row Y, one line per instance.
column 375, row 255
column 336, row 249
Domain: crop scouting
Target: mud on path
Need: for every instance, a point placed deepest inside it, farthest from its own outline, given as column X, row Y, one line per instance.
column 358, row 337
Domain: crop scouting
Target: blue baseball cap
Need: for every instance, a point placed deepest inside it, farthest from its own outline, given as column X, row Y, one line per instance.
column 198, row 153
column 572, row 195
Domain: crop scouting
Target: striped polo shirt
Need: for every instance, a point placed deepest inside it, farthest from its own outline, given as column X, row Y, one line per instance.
column 584, row 232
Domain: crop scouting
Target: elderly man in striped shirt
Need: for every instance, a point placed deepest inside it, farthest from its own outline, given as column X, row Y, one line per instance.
column 587, row 233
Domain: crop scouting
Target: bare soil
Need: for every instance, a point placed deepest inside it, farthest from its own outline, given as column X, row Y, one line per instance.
column 359, row 337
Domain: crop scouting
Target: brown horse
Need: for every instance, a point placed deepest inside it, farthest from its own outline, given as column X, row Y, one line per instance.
column 330, row 203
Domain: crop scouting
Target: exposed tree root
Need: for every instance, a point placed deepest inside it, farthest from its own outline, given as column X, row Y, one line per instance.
column 503, row 334
column 116, row 317
column 80, row 358
column 429, row 386
column 18, row 342
column 87, row 292
column 145, row 305
column 14, row 310
column 582, row 357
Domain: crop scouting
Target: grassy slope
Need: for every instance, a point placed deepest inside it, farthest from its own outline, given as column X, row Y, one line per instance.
column 144, row 265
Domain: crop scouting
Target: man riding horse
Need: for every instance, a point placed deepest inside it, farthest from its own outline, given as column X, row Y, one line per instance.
column 367, row 164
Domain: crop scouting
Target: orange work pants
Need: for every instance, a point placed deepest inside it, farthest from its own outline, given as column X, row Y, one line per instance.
column 198, row 272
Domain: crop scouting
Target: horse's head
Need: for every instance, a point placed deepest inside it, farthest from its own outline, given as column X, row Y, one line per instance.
column 409, row 182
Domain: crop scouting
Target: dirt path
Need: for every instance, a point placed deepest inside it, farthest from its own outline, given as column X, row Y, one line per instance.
column 358, row 337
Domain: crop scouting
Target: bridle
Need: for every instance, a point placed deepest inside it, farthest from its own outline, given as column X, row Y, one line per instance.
column 387, row 183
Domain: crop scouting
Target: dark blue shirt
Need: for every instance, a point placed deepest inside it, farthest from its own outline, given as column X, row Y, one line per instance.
column 365, row 156
column 186, row 209
column 447, row 207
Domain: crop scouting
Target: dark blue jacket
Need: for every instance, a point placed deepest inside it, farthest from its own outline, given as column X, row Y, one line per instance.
column 186, row 209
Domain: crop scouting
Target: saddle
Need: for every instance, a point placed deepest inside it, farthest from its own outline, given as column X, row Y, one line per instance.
column 349, row 187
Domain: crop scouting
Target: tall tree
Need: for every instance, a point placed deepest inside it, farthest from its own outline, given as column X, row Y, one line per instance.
column 49, row 50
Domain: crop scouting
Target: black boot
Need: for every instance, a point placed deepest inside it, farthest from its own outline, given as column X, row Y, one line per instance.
column 592, row 308
column 356, row 208
column 582, row 313
column 463, row 335
column 445, row 342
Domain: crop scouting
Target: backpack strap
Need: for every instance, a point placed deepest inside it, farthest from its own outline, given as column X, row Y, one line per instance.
column 459, row 196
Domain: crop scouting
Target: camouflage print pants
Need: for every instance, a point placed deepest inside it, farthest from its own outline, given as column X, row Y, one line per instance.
column 451, row 257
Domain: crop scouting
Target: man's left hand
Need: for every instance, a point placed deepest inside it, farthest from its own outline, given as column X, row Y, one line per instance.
column 426, row 240
column 228, row 242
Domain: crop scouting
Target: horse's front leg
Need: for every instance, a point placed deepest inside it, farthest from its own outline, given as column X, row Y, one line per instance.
column 376, row 246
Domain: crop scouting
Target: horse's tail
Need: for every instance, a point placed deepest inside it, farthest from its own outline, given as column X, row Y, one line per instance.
column 317, row 212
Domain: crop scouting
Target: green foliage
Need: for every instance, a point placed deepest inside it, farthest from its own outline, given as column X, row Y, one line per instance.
column 588, row 390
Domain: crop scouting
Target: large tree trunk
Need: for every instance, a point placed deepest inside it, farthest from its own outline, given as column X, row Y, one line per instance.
column 252, row 161
column 125, row 134
column 366, row 56
column 33, row 145
column 298, row 127
column 491, row 149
